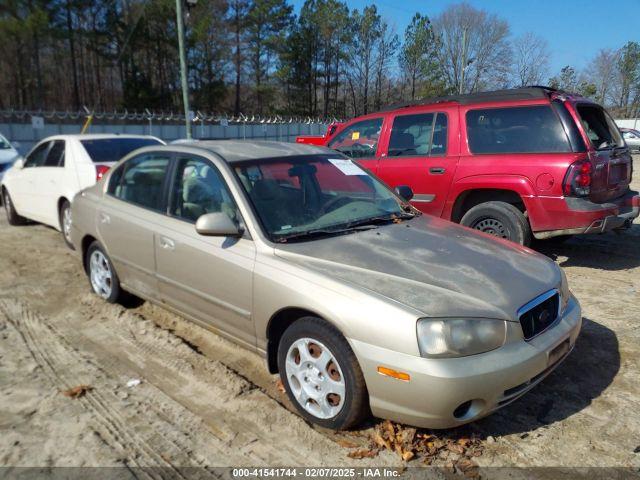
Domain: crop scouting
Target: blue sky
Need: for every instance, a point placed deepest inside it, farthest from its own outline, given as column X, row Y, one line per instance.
column 575, row 29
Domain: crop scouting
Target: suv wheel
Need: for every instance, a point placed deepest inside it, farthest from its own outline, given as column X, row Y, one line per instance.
column 65, row 223
column 102, row 276
column 12, row 216
column 500, row 219
column 321, row 374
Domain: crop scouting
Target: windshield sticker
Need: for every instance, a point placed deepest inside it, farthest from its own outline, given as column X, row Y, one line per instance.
column 355, row 136
column 347, row 167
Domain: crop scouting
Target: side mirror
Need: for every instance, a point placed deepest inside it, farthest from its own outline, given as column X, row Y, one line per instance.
column 217, row 225
column 19, row 163
column 404, row 192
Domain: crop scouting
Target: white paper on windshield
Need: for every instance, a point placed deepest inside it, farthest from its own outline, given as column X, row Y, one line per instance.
column 347, row 166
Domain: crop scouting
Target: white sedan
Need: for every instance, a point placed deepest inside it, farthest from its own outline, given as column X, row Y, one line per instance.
column 42, row 186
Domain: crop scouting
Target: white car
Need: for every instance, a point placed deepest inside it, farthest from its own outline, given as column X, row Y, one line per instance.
column 8, row 155
column 42, row 186
column 632, row 138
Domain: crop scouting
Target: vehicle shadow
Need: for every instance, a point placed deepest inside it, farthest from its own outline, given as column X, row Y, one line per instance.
column 580, row 379
column 608, row 251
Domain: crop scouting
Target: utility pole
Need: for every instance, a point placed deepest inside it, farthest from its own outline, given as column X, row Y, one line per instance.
column 464, row 60
column 183, row 68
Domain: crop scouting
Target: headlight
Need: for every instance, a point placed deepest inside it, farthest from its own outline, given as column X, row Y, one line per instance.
column 459, row 337
column 565, row 293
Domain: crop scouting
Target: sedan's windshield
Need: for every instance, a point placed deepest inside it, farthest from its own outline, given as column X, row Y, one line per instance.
column 299, row 197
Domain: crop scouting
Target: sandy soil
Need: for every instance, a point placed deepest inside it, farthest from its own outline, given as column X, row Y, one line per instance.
column 203, row 401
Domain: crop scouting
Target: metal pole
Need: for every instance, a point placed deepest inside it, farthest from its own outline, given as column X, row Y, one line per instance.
column 183, row 67
column 464, row 60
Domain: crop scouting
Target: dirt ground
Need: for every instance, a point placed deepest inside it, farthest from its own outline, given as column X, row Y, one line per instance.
column 203, row 401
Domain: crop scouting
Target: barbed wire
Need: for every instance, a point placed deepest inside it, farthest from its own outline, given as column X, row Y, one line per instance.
column 164, row 116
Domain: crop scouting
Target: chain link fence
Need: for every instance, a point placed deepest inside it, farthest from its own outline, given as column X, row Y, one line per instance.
column 25, row 128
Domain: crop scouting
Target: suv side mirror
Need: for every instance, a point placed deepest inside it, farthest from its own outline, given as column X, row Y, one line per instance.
column 217, row 225
column 404, row 192
column 19, row 163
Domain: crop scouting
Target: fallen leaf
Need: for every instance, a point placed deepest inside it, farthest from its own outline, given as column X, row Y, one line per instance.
column 381, row 442
column 77, row 392
column 280, row 386
column 455, row 448
column 408, row 455
column 346, row 443
column 362, row 453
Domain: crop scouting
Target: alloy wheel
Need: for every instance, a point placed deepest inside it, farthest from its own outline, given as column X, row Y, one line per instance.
column 315, row 378
column 100, row 274
column 66, row 223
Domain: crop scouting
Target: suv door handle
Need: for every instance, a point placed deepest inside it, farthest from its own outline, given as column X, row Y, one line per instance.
column 104, row 218
column 167, row 243
column 437, row 170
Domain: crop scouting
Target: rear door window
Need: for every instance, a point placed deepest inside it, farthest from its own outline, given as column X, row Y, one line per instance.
column 37, row 157
column 107, row 150
column 599, row 127
column 141, row 180
column 418, row 135
column 532, row 129
column 359, row 140
column 55, row 157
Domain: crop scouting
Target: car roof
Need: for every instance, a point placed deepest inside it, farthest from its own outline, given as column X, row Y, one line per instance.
column 233, row 151
column 95, row 136
column 506, row 95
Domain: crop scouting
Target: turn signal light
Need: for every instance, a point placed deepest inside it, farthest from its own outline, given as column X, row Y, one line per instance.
column 389, row 372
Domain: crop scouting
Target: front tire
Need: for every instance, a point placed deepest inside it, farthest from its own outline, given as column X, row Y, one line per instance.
column 321, row 374
column 66, row 223
column 102, row 276
column 500, row 219
column 12, row 216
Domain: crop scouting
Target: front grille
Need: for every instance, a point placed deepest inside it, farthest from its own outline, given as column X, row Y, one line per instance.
column 539, row 314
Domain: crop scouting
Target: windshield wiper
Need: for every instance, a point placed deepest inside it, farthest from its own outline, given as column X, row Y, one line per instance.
column 393, row 218
column 324, row 232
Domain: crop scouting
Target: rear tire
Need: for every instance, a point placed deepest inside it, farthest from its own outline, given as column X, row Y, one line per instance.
column 102, row 276
column 12, row 216
column 500, row 219
column 65, row 223
column 321, row 374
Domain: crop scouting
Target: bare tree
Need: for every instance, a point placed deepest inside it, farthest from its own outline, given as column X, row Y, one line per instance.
column 473, row 48
column 602, row 73
column 530, row 60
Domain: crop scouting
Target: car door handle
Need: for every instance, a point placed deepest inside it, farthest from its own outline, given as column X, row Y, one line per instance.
column 167, row 243
column 104, row 218
column 437, row 170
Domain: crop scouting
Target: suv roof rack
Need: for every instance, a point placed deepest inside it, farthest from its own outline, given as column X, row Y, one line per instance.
column 524, row 93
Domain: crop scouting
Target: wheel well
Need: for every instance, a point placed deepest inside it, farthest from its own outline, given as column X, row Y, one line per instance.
column 278, row 323
column 86, row 241
column 470, row 198
column 61, row 200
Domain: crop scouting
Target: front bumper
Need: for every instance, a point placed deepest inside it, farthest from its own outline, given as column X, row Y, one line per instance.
column 479, row 383
column 596, row 217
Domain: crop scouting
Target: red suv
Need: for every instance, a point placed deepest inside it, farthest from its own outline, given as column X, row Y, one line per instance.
column 513, row 163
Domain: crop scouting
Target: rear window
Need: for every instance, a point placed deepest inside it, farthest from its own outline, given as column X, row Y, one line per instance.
column 105, row 150
column 599, row 127
column 534, row 129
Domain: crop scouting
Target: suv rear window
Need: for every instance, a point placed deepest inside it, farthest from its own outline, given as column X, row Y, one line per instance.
column 599, row 127
column 533, row 129
column 106, row 150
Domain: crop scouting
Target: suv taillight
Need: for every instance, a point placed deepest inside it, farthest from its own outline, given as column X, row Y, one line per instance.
column 100, row 171
column 577, row 181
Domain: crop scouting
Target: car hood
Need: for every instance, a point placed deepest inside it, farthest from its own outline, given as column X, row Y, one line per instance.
column 436, row 267
column 8, row 155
